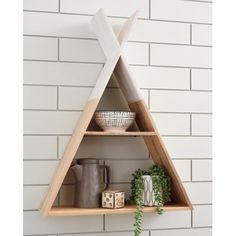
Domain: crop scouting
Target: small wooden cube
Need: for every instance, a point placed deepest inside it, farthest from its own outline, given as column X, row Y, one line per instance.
column 113, row 199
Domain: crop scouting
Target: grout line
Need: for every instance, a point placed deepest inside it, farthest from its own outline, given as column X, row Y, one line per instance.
column 58, row 98
column 125, row 159
column 150, row 1
column 129, row 41
column 91, row 86
column 102, row 63
column 191, row 30
column 119, row 231
column 131, row 136
column 37, row 160
column 121, row 17
column 191, row 169
column 149, row 54
column 59, row 197
column 62, row 61
column 152, row 112
column 59, row 6
column 58, row 49
column 198, row 227
column 57, row 147
column 190, row 75
column 197, row 1
column 124, row 183
column 104, row 223
column 191, row 125
column 166, row 112
column 191, row 218
column 149, row 99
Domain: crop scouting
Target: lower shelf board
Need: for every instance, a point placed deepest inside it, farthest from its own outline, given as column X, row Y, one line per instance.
column 72, row 211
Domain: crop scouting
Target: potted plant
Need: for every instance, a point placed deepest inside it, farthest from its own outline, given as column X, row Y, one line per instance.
column 159, row 192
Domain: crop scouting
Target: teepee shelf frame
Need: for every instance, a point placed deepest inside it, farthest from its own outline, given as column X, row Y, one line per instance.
column 116, row 64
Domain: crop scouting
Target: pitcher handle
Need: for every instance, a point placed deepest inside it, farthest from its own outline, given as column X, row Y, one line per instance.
column 107, row 174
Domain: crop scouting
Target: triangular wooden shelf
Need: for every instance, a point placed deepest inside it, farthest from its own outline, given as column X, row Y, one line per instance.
column 112, row 46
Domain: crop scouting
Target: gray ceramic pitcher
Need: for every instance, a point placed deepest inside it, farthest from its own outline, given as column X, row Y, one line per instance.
column 89, row 187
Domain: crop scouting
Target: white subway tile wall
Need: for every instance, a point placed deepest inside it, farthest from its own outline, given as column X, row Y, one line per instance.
column 169, row 52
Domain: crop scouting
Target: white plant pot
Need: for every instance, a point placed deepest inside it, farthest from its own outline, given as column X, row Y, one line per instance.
column 148, row 195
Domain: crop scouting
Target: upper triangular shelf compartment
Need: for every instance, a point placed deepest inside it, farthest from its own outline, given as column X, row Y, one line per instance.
column 112, row 46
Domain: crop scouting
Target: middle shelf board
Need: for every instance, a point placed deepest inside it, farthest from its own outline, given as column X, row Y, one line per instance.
column 111, row 133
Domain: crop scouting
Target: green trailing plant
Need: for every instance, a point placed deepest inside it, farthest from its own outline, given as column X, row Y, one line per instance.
column 161, row 187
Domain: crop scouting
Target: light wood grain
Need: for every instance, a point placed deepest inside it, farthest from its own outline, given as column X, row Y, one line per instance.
column 71, row 211
column 128, row 133
column 68, row 156
column 158, row 151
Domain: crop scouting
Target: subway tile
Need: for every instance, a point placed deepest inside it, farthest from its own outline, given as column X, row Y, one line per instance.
column 114, row 8
column 39, row 172
column 180, row 101
column 121, row 171
column 161, row 32
column 172, row 124
column 40, row 48
column 200, row 0
column 202, row 216
column 40, row 147
column 180, row 55
column 181, row 219
column 42, row 5
column 35, row 223
column 58, row 73
column 202, row 35
column 178, row 147
column 49, row 24
column 144, row 233
column 37, row 97
column 105, row 147
column 124, row 187
column 161, row 77
column 80, row 50
column 201, row 124
column 199, row 193
column 137, row 53
column 33, row 196
column 60, row 25
column 113, row 99
column 67, row 192
column 73, row 98
column 67, row 195
column 189, row 147
column 183, row 168
column 50, row 122
column 176, row 10
column 183, row 232
column 201, row 170
column 201, row 79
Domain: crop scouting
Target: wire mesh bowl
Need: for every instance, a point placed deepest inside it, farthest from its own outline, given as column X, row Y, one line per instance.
column 116, row 121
